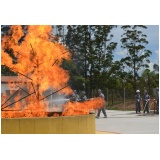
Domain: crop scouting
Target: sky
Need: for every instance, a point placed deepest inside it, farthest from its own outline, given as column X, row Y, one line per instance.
column 152, row 33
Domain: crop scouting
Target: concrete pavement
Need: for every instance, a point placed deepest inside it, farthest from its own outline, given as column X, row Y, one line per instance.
column 128, row 122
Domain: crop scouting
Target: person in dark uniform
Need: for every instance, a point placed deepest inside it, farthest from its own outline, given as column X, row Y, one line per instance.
column 146, row 102
column 103, row 107
column 83, row 97
column 73, row 96
column 76, row 94
column 137, row 100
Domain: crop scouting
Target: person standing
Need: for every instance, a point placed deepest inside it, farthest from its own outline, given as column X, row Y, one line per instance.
column 77, row 96
column 137, row 99
column 73, row 96
column 83, row 97
column 103, row 107
column 146, row 102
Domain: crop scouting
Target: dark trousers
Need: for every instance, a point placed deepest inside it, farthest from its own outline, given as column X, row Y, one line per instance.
column 103, row 110
column 146, row 107
column 138, row 107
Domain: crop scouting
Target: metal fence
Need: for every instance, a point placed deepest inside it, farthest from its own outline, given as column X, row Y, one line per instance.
column 124, row 99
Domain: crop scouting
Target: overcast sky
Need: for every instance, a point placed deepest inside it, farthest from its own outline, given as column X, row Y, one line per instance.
column 152, row 33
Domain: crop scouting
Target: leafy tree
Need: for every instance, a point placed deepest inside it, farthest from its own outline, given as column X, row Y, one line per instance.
column 60, row 32
column 4, row 29
column 76, row 80
column 156, row 68
column 149, row 79
column 134, row 41
column 92, row 51
column 156, row 72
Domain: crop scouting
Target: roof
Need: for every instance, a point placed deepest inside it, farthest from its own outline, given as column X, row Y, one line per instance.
column 6, row 79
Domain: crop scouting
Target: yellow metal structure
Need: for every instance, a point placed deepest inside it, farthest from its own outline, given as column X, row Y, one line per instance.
column 81, row 124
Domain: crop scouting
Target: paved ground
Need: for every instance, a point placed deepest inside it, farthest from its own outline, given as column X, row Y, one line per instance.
column 127, row 122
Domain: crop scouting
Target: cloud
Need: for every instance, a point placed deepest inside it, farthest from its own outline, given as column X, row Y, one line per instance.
column 157, row 52
column 122, row 53
column 151, row 66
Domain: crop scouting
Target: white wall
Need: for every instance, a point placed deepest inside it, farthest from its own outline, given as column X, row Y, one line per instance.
column 4, row 87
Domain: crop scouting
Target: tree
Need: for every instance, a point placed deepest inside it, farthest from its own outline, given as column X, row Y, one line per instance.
column 149, row 79
column 92, row 51
column 4, row 29
column 134, row 41
column 76, row 80
column 156, row 68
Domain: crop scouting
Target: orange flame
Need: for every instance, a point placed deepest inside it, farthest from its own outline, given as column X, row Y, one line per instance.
column 38, row 60
column 78, row 108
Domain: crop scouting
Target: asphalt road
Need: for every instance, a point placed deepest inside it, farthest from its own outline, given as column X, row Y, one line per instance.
column 128, row 122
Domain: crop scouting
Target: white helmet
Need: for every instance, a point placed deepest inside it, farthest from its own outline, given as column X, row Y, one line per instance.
column 83, row 92
column 137, row 91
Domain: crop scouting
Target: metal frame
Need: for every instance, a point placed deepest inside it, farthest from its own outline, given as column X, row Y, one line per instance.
column 29, row 94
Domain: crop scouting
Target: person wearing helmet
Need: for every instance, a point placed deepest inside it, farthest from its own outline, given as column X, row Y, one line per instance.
column 75, row 96
column 83, row 96
column 103, row 107
column 137, row 100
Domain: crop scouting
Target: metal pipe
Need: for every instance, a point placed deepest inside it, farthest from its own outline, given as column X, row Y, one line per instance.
column 17, row 101
column 20, row 73
column 9, row 110
column 34, row 89
column 22, row 89
column 55, row 62
column 10, row 97
column 54, row 92
column 25, row 57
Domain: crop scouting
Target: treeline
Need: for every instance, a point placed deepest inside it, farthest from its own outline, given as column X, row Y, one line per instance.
column 92, row 65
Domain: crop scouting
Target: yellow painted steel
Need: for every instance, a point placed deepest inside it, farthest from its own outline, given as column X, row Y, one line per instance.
column 90, row 121
column 3, row 126
column 12, row 126
column 26, row 126
column 70, row 124
column 81, row 124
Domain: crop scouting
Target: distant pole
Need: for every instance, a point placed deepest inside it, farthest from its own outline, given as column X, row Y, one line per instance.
column 92, row 93
column 124, row 99
column 107, row 96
